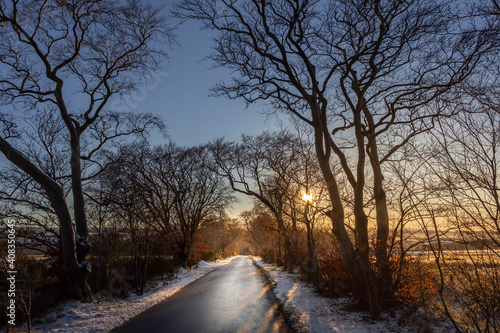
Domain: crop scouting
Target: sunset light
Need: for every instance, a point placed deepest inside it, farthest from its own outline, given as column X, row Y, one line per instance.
column 307, row 197
column 258, row 166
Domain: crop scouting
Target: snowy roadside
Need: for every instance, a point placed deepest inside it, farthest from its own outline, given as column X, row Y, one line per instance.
column 312, row 313
column 104, row 314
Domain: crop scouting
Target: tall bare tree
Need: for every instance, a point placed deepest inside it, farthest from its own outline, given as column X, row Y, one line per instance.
column 54, row 52
column 351, row 70
column 176, row 187
column 466, row 165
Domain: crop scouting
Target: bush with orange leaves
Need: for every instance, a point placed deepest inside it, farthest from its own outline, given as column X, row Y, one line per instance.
column 414, row 280
column 334, row 279
column 200, row 248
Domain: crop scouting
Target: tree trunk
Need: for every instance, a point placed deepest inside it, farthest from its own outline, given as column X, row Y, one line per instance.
column 383, row 263
column 77, row 188
column 75, row 274
column 311, row 263
column 290, row 262
column 186, row 249
column 357, row 262
column 145, row 265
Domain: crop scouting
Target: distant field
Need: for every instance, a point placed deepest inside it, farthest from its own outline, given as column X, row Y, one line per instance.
column 483, row 256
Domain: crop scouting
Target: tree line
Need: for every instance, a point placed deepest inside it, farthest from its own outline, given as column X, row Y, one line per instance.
column 367, row 78
column 395, row 108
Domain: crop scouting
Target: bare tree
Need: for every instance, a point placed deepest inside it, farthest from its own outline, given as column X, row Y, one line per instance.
column 198, row 193
column 44, row 139
column 263, row 167
column 53, row 52
column 123, row 191
column 466, row 160
column 260, row 228
column 22, row 197
column 177, row 188
column 220, row 233
column 308, row 201
column 465, row 164
column 351, row 70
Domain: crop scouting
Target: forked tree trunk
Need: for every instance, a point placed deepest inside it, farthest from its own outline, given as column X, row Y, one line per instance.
column 75, row 273
column 356, row 259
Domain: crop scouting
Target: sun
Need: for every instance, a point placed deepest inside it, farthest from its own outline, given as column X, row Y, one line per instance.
column 307, row 197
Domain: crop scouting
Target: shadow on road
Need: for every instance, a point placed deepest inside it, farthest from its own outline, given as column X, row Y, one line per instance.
column 233, row 298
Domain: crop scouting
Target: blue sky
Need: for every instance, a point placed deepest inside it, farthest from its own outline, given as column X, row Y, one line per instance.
column 181, row 97
column 179, row 94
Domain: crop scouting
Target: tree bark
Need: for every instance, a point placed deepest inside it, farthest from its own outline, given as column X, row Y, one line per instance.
column 77, row 189
column 383, row 263
column 75, row 273
column 356, row 259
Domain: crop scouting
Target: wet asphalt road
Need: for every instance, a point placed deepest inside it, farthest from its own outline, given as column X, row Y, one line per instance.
column 234, row 299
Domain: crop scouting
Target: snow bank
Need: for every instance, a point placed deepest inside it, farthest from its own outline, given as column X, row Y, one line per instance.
column 202, row 263
column 310, row 312
column 106, row 313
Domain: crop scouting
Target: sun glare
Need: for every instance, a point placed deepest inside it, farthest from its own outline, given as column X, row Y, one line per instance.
column 307, row 197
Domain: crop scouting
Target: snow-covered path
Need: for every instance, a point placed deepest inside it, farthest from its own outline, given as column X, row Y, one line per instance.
column 104, row 314
column 235, row 298
column 308, row 311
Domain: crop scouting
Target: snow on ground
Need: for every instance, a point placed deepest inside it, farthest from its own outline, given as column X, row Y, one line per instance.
column 312, row 313
column 106, row 313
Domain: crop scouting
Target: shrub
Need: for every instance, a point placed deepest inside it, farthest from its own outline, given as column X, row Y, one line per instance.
column 334, row 279
column 209, row 255
column 200, row 247
column 415, row 281
column 159, row 265
column 37, row 281
column 267, row 255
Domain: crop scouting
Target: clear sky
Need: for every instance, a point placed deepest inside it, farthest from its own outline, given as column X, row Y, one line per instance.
column 181, row 97
column 180, row 92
